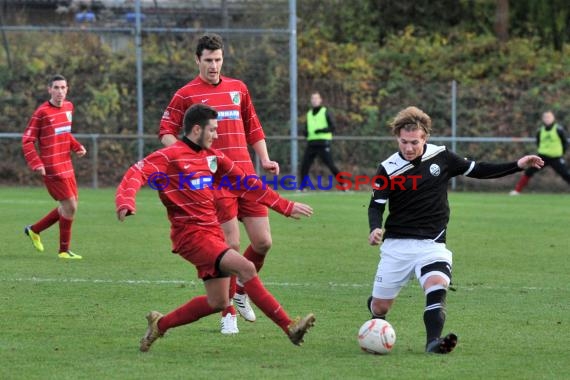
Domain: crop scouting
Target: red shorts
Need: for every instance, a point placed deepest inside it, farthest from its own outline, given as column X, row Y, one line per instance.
column 61, row 188
column 228, row 207
column 203, row 246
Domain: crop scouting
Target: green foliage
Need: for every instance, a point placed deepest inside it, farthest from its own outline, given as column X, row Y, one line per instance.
column 368, row 59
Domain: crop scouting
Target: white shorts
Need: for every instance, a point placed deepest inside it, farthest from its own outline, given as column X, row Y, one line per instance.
column 400, row 259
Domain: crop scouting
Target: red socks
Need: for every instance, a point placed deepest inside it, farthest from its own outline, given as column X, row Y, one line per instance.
column 64, row 233
column 190, row 312
column 267, row 303
column 47, row 221
column 64, row 227
column 522, row 183
column 256, row 259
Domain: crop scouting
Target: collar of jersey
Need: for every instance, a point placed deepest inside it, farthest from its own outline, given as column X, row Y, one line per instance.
column 191, row 144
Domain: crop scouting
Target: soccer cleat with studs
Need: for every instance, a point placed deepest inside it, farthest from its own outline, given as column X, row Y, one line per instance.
column 152, row 332
column 69, row 255
column 299, row 327
column 229, row 325
column 35, row 238
column 442, row 345
column 241, row 302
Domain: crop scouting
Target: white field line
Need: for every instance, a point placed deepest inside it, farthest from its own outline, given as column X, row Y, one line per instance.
column 268, row 283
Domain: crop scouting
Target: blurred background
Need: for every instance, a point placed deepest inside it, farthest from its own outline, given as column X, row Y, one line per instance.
column 484, row 70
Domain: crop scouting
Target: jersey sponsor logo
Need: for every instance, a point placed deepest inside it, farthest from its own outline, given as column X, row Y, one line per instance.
column 228, row 115
column 235, row 97
column 434, row 170
column 64, row 129
column 198, row 183
column 69, row 115
column 212, row 163
column 166, row 115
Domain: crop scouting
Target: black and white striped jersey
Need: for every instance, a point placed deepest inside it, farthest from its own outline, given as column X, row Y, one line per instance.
column 416, row 191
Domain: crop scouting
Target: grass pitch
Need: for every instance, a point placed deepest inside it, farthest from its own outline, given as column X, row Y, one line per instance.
column 83, row 319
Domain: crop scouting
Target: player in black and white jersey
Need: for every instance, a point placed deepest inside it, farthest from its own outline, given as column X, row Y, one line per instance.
column 413, row 182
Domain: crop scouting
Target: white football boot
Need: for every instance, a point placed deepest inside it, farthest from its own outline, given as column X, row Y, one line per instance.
column 229, row 325
column 241, row 302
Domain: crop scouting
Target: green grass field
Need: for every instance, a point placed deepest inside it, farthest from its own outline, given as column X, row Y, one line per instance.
column 83, row 319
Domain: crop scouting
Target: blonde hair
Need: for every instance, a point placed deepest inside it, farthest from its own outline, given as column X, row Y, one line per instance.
column 411, row 119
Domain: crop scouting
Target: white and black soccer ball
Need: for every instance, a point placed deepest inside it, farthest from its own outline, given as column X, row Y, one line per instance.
column 376, row 336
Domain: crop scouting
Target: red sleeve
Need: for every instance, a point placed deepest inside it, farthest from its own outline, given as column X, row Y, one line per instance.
column 251, row 124
column 173, row 117
column 136, row 177
column 251, row 187
column 29, row 139
column 75, row 145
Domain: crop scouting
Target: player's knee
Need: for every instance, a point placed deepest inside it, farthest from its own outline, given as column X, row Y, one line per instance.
column 262, row 245
column 246, row 271
column 380, row 307
column 218, row 303
column 68, row 210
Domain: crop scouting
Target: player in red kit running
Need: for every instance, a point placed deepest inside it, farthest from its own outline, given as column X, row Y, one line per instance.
column 238, row 127
column 187, row 174
column 50, row 127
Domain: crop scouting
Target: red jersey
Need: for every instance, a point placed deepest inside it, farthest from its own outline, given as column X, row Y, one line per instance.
column 50, row 126
column 186, row 178
column 238, row 124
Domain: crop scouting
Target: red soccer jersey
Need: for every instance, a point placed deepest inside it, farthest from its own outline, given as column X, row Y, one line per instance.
column 186, row 179
column 238, row 124
column 50, row 126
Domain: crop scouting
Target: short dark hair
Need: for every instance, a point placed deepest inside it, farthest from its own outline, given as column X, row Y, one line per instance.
column 54, row 78
column 198, row 114
column 210, row 41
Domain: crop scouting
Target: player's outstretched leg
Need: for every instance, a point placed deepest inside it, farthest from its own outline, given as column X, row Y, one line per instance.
column 152, row 332
column 240, row 298
column 261, row 297
column 442, row 345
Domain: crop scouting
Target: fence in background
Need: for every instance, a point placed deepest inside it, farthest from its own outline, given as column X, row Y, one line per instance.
column 354, row 154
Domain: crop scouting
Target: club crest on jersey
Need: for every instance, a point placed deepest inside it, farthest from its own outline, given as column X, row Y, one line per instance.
column 212, row 163
column 434, row 170
column 69, row 115
column 235, row 97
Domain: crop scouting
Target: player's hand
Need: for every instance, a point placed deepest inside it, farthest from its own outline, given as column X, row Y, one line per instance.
column 123, row 213
column 41, row 171
column 81, row 152
column 530, row 161
column 375, row 237
column 270, row 166
column 301, row 209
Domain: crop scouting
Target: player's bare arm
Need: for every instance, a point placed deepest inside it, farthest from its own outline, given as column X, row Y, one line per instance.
column 301, row 209
column 530, row 161
column 260, row 149
column 375, row 237
column 168, row 140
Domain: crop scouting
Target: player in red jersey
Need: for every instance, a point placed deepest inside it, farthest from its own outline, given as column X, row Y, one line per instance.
column 238, row 128
column 50, row 127
column 187, row 174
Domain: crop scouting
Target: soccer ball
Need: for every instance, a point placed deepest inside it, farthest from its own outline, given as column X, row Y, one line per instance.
column 376, row 336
